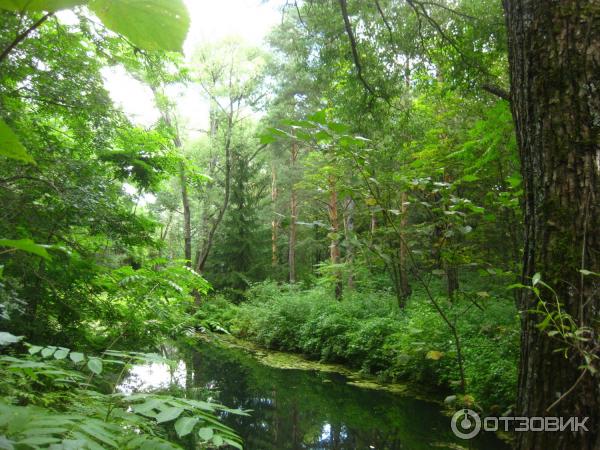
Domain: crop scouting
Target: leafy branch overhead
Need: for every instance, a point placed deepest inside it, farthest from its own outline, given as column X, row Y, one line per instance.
column 147, row 24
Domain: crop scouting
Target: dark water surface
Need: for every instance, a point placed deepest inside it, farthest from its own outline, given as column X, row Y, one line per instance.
column 299, row 409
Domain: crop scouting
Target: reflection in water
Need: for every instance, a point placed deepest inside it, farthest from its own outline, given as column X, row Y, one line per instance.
column 293, row 409
column 153, row 376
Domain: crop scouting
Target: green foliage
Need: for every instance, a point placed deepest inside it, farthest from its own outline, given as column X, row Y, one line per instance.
column 145, row 304
column 10, row 146
column 368, row 332
column 138, row 20
column 26, row 245
column 49, row 401
column 135, row 19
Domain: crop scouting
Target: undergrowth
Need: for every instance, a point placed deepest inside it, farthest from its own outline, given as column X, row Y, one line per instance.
column 368, row 332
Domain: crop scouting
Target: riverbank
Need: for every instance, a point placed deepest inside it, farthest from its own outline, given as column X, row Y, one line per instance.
column 295, row 403
column 284, row 360
column 367, row 334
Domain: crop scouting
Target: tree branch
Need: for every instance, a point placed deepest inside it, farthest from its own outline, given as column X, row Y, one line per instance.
column 348, row 27
column 496, row 90
column 23, row 35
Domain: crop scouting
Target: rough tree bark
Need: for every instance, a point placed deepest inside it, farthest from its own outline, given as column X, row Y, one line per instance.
column 334, row 247
column 554, row 55
column 275, row 220
column 293, row 218
column 404, row 282
column 187, row 217
column 348, row 236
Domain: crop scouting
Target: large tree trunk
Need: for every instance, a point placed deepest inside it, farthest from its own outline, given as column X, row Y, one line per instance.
column 334, row 247
column 404, row 282
column 208, row 240
column 293, row 218
column 275, row 219
column 348, row 236
column 554, row 51
column 187, row 220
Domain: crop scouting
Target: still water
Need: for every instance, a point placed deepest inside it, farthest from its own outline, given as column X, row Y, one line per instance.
column 300, row 409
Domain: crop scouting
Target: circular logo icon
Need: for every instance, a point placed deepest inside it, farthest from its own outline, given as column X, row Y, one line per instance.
column 465, row 424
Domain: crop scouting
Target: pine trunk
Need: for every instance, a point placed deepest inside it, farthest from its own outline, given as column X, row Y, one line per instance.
column 275, row 220
column 334, row 247
column 554, row 54
column 293, row 218
column 348, row 236
column 187, row 221
column 404, row 282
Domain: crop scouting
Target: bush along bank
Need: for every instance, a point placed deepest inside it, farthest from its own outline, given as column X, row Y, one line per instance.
column 367, row 331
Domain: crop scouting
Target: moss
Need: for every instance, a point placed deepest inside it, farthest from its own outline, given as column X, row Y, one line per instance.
column 282, row 360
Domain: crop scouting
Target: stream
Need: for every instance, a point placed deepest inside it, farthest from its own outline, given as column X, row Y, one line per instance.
column 306, row 409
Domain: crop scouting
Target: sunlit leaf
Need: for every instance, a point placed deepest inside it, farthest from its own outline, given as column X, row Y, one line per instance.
column 61, row 353
column 39, row 5
column 26, row 245
column 34, row 349
column 434, row 355
column 148, row 24
column 7, row 338
column 169, row 414
column 185, row 425
column 205, row 433
column 76, row 357
column 95, row 365
column 10, row 146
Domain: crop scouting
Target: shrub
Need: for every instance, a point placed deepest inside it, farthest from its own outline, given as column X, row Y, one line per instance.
column 367, row 331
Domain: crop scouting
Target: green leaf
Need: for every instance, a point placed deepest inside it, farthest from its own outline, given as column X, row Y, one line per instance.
column 185, row 425
column 338, row 127
column 217, row 440
column 10, row 146
column 34, row 349
column 38, row 5
column 470, row 177
column 147, row 408
column 95, row 365
column 169, row 414
column 514, row 181
column 48, row 351
column 322, row 135
column 206, row 433
column 536, row 278
column 76, row 357
column 434, row 355
column 98, row 431
column 267, row 139
column 319, row 117
column 233, row 443
column 148, row 24
column 61, row 353
column 7, row 338
column 26, row 245
column 39, row 440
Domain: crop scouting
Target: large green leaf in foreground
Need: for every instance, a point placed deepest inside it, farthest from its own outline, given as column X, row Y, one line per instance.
column 38, row 5
column 10, row 146
column 149, row 24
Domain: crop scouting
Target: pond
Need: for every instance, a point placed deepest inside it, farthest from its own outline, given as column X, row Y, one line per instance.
column 303, row 409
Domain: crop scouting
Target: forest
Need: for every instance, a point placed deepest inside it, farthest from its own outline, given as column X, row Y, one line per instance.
column 405, row 190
